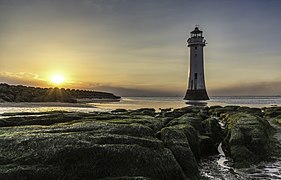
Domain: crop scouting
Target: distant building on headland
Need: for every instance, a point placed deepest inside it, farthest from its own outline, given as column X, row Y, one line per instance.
column 196, row 85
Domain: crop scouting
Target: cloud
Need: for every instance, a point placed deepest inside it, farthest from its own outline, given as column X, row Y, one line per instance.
column 19, row 75
column 251, row 89
column 22, row 78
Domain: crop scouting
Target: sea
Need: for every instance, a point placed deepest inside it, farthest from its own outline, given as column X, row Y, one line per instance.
column 216, row 167
column 132, row 103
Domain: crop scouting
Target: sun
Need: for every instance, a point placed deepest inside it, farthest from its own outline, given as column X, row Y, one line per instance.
column 57, row 79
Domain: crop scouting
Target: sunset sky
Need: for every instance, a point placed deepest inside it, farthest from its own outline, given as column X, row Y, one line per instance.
column 138, row 47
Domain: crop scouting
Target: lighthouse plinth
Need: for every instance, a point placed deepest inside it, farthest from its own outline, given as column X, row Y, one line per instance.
column 196, row 84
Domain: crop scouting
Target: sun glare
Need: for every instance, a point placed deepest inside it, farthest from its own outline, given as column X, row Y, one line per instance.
column 57, row 79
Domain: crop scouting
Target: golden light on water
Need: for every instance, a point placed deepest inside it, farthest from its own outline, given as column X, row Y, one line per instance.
column 57, row 79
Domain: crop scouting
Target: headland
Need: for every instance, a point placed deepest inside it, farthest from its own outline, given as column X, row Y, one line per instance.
column 20, row 93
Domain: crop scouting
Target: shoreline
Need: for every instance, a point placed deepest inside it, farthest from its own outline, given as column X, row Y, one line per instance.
column 104, row 105
column 80, row 103
column 129, row 103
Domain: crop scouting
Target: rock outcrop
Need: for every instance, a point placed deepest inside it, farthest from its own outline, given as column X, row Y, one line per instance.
column 92, row 146
column 130, row 144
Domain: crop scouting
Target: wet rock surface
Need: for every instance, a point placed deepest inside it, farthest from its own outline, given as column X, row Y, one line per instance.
column 124, row 144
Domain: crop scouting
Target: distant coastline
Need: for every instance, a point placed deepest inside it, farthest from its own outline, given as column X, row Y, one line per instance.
column 20, row 93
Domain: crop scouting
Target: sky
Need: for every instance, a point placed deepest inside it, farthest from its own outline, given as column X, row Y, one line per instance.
column 138, row 47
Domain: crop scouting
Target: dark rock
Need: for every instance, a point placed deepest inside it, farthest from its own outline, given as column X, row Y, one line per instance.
column 216, row 110
column 143, row 111
column 119, row 111
column 203, row 114
column 165, row 109
column 214, row 107
column 272, row 112
column 242, row 156
column 231, row 108
column 126, row 178
column 189, row 109
column 212, row 128
column 207, row 146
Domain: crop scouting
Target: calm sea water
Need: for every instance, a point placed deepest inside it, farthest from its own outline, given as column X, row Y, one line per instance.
column 214, row 167
column 177, row 102
column 139, row 102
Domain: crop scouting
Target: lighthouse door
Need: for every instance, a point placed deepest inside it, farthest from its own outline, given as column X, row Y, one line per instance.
column 195, row 81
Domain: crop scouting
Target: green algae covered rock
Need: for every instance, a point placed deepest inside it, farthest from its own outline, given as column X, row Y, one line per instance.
column 212, row 128
column 143, row 111
column 253, row 111
column 176, row 140
column 204, row 135
column 219, row 111
column 191, row 119
column 248, row 139
column 181, row 111
column 277, row 120
column 94, row 146
column 272, row 112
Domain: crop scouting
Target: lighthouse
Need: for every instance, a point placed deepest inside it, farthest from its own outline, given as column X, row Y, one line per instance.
column 196, row 84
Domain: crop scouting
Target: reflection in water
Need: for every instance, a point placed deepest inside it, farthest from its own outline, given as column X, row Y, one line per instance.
column 197, row 103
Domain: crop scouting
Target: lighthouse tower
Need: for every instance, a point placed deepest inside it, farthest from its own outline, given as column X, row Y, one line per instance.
column 196, row 84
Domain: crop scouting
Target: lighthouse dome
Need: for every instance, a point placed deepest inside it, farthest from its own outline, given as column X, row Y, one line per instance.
column 196, row 31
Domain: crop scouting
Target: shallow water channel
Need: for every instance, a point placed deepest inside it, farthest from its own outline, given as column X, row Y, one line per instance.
column 219, row 167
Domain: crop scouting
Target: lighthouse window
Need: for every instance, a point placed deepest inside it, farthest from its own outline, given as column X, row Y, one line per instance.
column 195, row 47
column 195, row 54
column 195, row 75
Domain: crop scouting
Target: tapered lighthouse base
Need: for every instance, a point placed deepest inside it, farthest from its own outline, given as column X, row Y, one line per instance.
column 199, row 94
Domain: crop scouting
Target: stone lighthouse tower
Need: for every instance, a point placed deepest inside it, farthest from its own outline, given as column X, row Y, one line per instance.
column 196, row 84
